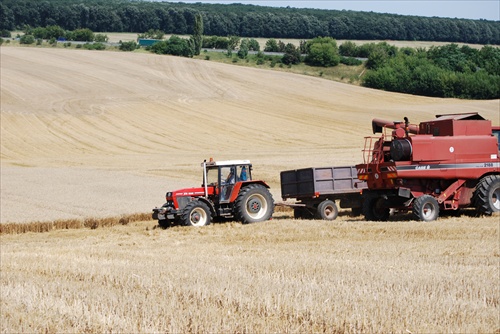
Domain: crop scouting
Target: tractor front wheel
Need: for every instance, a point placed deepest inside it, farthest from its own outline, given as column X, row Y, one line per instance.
column 196, row 213
column 254, row 204
column 486, row 198
column 425, row 208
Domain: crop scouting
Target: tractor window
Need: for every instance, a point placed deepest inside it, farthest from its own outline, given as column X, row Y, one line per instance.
column 227, row 179
column 212, row 176
column 243, row 173
column 227, row 175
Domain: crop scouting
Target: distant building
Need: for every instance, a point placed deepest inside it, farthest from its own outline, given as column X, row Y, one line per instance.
column 147, row 41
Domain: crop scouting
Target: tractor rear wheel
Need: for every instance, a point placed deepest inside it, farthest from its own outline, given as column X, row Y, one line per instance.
column 425, row 208
column 486, row 197
column 374, row 208
column 254, row 204
column 327, row 210
column 196, row 213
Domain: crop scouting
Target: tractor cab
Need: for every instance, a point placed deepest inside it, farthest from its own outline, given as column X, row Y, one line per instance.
column 225, row 178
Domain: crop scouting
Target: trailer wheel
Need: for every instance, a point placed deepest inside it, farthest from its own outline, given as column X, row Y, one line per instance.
column 374, row 208
column 327, row 210
column 486, row 198
column 196, row 213
column 254, row 204
column 425, row 208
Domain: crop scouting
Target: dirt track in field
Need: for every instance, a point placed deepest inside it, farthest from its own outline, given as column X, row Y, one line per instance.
column 86, row 134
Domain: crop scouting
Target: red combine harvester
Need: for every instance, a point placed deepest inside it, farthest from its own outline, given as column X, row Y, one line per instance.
column 448, row 163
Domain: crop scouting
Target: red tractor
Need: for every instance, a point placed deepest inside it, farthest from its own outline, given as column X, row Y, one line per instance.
column 228, row 191
column 448, row 163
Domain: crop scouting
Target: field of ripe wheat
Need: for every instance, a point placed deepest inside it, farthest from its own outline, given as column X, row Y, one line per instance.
column 101, row 134
column 90, row 142
column 285, row 276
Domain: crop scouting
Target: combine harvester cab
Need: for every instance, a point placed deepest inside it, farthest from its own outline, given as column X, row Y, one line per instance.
column 445, row 164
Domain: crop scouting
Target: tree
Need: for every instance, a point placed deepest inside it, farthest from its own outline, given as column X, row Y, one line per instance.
column 83, row 35
column 348, row 49
column 291, row 56
column 27, row 39
column 253, row 45
column 152, row 33
column 197, row 34
column 173, row 46
column 101, row 38
column 271, row 46
column 322, row 51
column 128, row 46
column 243, row 51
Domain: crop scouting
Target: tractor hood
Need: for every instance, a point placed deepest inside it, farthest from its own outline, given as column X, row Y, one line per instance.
column 191, row 192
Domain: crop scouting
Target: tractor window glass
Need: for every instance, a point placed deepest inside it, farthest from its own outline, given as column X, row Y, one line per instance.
column 227, row 175
column 243, row 173
column 212, row 176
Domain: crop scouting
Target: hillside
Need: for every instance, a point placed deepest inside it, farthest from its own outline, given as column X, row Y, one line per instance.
column 88, row 133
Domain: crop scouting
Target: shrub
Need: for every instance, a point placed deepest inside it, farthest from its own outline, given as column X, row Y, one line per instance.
column 350, row 61
column 322, row 51
column 173, row 46
column 128, row 46
column 5, row 33
column 27, row 39
column 94, row 46
column 291, row 56
column 101, row 38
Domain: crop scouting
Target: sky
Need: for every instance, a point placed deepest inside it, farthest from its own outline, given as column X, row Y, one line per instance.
column 464, row 9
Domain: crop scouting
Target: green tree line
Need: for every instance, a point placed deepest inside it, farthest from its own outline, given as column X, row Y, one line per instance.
column 241, row 20
column 444, row 71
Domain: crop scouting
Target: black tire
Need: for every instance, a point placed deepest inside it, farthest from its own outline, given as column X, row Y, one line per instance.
column 196, row 213
column 355, row 212
column 327, row 210
column 254, row 204
column 164, row 223
column 486, row 198
column 374, row 208
column 425, row 208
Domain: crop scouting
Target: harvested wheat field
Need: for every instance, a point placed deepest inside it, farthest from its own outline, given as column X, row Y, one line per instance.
column 92, row 134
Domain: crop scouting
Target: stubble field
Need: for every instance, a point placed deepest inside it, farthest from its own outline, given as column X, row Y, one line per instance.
column 102, row 134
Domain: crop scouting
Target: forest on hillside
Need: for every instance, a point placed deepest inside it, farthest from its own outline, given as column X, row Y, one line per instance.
column 242, row 20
